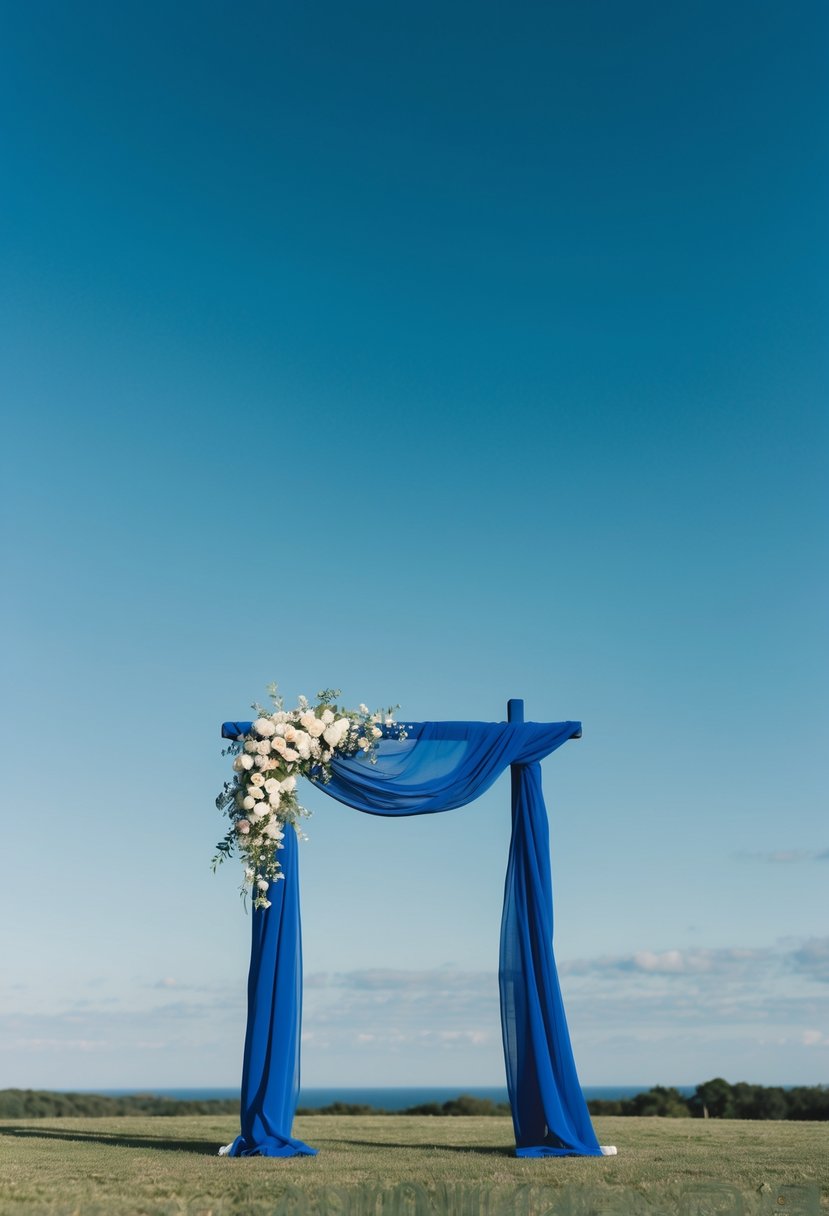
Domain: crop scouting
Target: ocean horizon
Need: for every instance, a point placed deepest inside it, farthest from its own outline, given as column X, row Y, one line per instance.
column 390, row 1097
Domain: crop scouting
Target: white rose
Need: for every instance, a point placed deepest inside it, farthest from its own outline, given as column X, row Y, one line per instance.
column 290, row 755
column 257, row 779
column 262, row 884
column 278, row 744
column 273, row 831
column 274, row 800
column 263, row 727
column 251, row 745
column 363, row 743
column 249, row 803
column 376, row 732
column 327, row 716
column 271, row 785
column 263, row 762
column 264, row 748
column 331, row 735
column 245, row 762
column 363, row 709
column 290, row 733
column 315, row 727
column 242, row 827
column 288, row 785
column 260, row 810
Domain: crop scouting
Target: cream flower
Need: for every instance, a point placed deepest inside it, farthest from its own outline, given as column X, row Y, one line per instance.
column 290, row 755
column 249, row 803
column 363, row 743
column 273, row 831
column 288, row 785
column 264, row 748
column 263, row 727
column 327, row 716
column 242, row 827
column 251, row 745
column 274, row 800
column 262, row 884
column 271, row 785
column 263, row 762
column 376, row 732
column 257, row 779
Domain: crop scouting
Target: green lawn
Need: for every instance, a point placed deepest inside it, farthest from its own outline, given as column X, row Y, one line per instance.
column 408, row 1166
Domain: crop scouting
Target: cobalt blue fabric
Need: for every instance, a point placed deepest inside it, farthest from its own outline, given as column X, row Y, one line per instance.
column 270, row 1072
column 439, row 766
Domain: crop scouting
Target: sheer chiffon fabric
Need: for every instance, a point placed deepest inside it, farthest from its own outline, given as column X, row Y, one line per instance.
column 438, row 767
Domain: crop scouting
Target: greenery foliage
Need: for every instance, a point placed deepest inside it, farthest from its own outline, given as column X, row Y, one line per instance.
column 718, row 1099
column 715, row 1099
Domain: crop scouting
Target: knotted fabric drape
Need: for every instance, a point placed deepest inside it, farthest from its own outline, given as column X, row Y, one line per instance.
column 439, row 766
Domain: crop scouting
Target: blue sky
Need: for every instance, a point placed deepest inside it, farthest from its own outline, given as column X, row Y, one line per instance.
column 444, row 354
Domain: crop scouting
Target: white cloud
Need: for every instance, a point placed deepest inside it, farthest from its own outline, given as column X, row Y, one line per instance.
column 784, row 856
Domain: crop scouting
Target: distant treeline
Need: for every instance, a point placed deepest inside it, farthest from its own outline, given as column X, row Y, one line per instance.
column 43, row 1103
column 716, row 1099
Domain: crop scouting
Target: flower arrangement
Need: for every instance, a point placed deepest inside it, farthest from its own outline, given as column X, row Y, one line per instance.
column 261, row 800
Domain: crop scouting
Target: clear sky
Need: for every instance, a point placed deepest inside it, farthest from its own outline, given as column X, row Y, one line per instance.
column 442, row 353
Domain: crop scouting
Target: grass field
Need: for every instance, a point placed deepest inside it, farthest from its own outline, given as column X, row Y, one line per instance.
column 409, row 1166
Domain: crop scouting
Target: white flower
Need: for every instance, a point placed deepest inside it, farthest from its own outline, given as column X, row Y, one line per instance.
column 274, row 800
column 263, row 727
column 290, row 733
column 238, row 766
column 273, row 831
column 249, row 803
column 315, row 727
column 257, row 779
column 327, row 716
column 363, row 743
column 288, row 785
column 363, row 709
column 242, row 826
column 271, row 785
column 249, row 874
column 262, row 884
column 264, row 748
column 259, row 811
column 290, row 755
column 278, row 744
column 263, row 762
column 336, row 732
column 251, row 745
column 376, row 732
column 245, row 762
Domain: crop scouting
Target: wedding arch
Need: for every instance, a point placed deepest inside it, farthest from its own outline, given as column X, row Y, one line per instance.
column 424, row 768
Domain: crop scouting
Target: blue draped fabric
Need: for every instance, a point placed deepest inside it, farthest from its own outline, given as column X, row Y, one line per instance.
column 439, row 766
